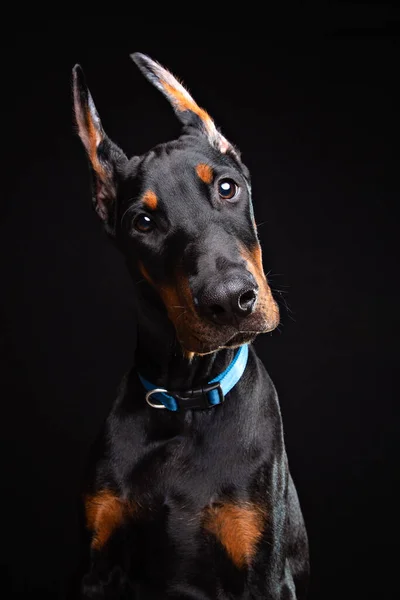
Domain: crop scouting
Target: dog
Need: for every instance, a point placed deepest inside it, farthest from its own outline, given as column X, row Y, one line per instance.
column 191, row 495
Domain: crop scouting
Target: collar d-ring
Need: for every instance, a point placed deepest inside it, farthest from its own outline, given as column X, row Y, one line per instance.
column 155, row 391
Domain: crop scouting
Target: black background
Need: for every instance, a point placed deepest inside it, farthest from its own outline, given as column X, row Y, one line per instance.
column 310, row 101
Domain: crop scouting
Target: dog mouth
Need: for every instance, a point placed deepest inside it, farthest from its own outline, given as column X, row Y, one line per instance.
column 203, row 338
column 207, row 346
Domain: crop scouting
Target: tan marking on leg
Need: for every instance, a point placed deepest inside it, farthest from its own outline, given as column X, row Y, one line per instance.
column 238, row 527
column 150, row 200
column 205, row 172
column 104, row 513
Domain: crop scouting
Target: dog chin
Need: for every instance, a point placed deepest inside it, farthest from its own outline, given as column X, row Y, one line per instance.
column 211, row 339
column 196, row 345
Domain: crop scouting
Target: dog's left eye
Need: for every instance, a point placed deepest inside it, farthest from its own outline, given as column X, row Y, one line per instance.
column 144, row 224
column 227, row 189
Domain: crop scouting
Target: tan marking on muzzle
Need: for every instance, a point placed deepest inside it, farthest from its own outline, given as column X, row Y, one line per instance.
column 177, row 298
column 194, row 335
column 175, row 301
column 266, row 302
column 170, row 295
column 144, row 272
column 178, row 301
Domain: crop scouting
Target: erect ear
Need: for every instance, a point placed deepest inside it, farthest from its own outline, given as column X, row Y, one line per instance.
column 186, row 109
column 104, row 156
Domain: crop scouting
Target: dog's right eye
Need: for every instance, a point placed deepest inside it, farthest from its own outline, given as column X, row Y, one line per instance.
column 227, row 189
column 144, row 224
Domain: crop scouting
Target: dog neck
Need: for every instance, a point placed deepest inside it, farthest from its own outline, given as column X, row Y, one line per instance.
column 160, row 357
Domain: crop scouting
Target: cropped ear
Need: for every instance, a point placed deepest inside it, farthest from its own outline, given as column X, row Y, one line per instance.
column 186, row 109
column 104, row 156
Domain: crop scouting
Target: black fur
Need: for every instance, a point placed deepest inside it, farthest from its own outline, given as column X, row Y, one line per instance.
column 167, row 469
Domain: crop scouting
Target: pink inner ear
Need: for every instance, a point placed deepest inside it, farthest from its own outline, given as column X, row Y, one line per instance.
column 101, row 206
column 224, row 145
column 182, row 101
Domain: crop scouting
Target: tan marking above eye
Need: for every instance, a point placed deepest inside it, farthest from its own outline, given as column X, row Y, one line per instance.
column 238, row 527
column 205, row 172
column 150, row 200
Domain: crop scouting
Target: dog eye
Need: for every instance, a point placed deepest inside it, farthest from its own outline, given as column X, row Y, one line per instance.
column 144, row 224
column 227, row 189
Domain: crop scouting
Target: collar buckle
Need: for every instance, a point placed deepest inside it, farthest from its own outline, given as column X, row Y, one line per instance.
column 198, row 397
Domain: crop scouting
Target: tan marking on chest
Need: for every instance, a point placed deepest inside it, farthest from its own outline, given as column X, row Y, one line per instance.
column 205, row 172
column 150, row 200
column 238, row 527
column 105, row 512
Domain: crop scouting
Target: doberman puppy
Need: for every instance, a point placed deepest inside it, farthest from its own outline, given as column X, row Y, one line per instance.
column 191, row 495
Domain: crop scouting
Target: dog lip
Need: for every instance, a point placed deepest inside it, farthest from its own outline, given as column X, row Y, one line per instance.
column 212, row 345
column 215, row 337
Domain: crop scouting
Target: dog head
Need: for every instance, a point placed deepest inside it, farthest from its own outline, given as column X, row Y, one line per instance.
column 183, row 215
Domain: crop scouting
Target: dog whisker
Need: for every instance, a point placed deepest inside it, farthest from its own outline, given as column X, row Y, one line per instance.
column 282, row 301
column 125, row 213
column 181, row 315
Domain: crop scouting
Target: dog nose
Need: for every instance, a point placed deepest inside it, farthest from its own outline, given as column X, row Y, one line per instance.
column 228, row 301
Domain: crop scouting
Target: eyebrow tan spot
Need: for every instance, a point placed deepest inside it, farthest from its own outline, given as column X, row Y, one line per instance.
column 150, row 200
column 205, row 172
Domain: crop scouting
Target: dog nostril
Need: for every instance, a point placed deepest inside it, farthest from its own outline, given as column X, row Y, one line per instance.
column 246, row 300
column 228, row 301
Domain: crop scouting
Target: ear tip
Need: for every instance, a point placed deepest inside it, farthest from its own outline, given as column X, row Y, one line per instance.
column 141, row 60
column 136, row 56
column 78, row 75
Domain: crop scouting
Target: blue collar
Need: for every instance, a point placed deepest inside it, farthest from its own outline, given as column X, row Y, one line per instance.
column 205, row 397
